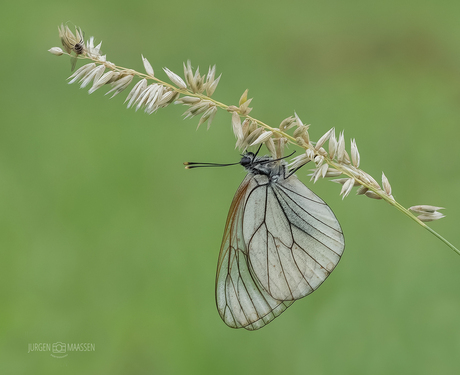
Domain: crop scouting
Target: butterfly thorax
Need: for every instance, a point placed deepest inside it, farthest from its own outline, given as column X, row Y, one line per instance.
column 263, row 165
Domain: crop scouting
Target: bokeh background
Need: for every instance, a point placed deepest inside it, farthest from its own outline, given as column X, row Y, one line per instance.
column 106, row 239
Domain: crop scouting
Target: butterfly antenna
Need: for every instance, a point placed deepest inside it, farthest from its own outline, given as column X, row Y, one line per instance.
column 190, row 165
column 258, row 150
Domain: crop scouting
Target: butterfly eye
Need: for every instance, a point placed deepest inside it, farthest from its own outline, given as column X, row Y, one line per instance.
column 246, row 159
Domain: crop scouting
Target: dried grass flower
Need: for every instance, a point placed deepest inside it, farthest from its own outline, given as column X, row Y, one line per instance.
column 195, row 92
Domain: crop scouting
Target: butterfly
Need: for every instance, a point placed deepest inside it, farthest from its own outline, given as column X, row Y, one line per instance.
column 281, row 241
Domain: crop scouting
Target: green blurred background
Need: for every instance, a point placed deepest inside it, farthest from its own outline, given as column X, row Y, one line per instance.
column 106, row 239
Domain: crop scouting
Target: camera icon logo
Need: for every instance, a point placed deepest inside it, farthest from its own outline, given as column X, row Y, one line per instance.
column 58, row 348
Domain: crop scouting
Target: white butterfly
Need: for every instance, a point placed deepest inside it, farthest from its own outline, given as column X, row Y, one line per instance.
column 281, row 241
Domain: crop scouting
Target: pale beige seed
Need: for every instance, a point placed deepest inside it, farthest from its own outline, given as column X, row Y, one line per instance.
column 318, row 160
column 323, row 139
column 316, row 175
column 246, row 126
column 298, row 120
column 211, row 74
column 213, row 111
column 207, row 116
column 188, row 100
column 148, row 68
column 430, row 216
column 298, row 132
column 145, row 96
column 280, row 143
column 97, row 84
column 212, row 85
column 262, row 138
column 371, row 194
column 287, row 123
column 94, row 52
column 341, row 148
column 302, row 132
column 386, row 184
column 362, row 190
column 423, row 208
column 95, row 74
column 175, row 78
column 310, row 153
column 321, row 151
column 246, row 130
column 340, row 180
column 253, row 135
column 56, row 51
column 370, row 180
column 90, row 49
column 306, row 137
column 331, row 172
column 244, row 108
column 270, row 144
column 165, row 96
column 211, row 82
column 115, row 77
column 188, row 73
column 298, row 161
column 232, row 108
column 159, row 97
column 156, row 98
column 243, row 97
column 301, row 143
column 354, row 153
column 81, row 72
column 347, row 187
column 197, row 109
column 323, row 170
column 319, row 171
column 118, row 83
column 236, row 125
column 198, row 82
column 332, row 144
column 138, row 88
column 345, row 179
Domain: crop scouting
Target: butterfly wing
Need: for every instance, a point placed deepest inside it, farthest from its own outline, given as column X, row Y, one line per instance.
column 241, row 300
column 293, row 238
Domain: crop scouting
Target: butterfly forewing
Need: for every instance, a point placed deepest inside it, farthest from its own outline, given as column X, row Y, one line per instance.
column 281, row 241
column 241, row 300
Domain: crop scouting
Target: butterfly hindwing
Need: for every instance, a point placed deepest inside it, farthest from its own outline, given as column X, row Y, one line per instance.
column 294, row 240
